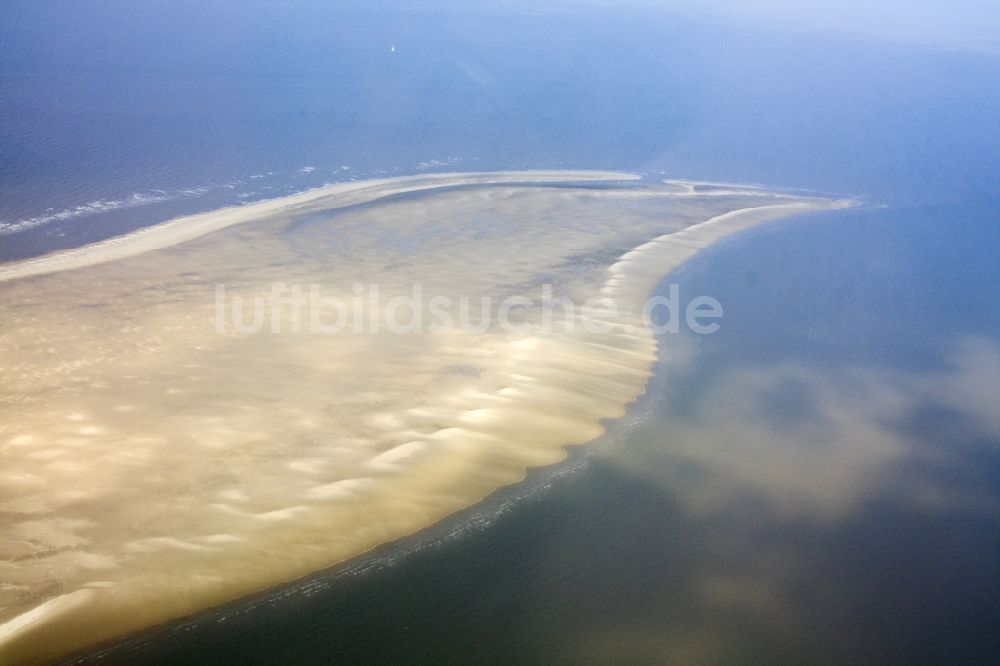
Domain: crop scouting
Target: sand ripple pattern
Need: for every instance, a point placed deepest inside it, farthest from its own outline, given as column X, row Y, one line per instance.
column 154, row 466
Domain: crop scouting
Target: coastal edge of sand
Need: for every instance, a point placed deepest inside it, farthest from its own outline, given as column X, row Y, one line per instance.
column 630, row 280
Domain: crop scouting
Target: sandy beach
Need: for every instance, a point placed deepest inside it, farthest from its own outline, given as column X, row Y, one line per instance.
column 167, row 463
column 339, row 195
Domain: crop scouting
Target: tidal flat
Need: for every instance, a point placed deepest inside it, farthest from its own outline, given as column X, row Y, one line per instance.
column 164, row 453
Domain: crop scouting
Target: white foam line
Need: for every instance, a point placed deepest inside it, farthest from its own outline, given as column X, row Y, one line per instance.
column 98, row 206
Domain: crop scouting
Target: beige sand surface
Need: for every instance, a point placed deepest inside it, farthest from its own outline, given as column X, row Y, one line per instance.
column 156, row 463
column 189, row 227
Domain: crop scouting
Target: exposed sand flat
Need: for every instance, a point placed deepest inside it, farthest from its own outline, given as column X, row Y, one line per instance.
column 156, row 464
column 182, row 229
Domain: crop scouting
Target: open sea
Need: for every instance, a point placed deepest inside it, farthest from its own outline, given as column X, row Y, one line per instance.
column 817, row 482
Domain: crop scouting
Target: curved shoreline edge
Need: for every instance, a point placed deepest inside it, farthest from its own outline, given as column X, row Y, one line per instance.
column 339, row 195
column 629, row 282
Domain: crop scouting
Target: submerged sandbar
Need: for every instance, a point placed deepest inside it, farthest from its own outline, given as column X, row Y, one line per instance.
column 157, row 463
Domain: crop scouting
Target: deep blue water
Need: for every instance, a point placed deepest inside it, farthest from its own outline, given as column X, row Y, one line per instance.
column 846, row 364
column 122, row 114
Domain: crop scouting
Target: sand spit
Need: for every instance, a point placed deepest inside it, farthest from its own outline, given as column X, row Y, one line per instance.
column 190, row 227
column 157, row 464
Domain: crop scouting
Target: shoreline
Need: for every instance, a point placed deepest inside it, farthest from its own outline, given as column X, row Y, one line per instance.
column 629, row 281
column 721, row 227
column 190, row 227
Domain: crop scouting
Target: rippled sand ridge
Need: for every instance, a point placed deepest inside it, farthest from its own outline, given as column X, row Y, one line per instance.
column 159, row 459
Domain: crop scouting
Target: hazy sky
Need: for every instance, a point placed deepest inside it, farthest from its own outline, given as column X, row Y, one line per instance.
column 961, row 25
column 968, row 24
